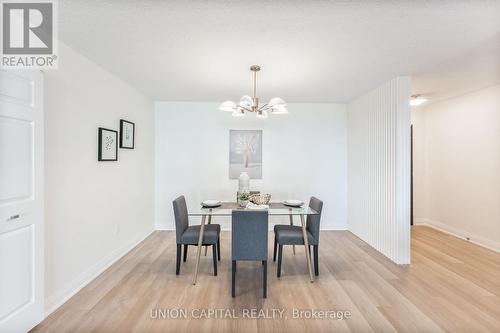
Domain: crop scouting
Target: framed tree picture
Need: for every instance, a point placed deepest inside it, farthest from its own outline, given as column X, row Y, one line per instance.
column 107, row 145
column 245, row 153
column 127, row 134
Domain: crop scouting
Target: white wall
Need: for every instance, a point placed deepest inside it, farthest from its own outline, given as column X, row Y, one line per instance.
column 379, row 169
column 458, row 168
column 304, row 154
column 94, row 210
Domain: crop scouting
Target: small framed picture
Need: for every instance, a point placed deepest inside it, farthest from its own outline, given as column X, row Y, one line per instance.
column 127, row 134
column 108, row 145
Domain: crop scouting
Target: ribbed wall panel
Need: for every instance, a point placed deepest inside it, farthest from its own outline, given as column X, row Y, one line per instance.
column 379, row 169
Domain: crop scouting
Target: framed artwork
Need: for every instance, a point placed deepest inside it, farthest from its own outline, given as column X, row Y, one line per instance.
column 245, row 153
column 127, row 134
column 108, row 145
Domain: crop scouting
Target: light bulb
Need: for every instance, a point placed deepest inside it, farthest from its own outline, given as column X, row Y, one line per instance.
column 246, row 102
column 239, row 113
column 262, row 114
column 279, row 109
column 228, row 106
column 417, row 100
column 275, row 101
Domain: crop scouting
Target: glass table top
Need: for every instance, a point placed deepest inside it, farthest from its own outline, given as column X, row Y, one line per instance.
column 275, row 208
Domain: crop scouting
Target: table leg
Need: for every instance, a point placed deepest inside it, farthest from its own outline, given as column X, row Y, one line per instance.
column 200, row 243
column 209, row 221
column 291, row 223
column 306, row 245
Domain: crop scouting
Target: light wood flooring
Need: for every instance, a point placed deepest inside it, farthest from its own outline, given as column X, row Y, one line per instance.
column 451, row 286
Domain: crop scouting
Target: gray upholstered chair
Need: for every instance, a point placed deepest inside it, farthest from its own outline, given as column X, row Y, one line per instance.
column 292, row 235
column 188, row 235
column 249, row 241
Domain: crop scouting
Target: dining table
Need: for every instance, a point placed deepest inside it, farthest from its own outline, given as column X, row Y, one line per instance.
column 273, row 208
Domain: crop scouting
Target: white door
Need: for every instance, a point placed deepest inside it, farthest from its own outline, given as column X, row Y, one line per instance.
column 21, row 200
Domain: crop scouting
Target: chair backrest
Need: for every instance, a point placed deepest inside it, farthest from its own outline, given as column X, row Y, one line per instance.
column 249, row 235
column 313, row 221
column 181, row 217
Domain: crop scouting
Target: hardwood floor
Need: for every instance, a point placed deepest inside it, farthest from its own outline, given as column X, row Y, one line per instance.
column 451, row 286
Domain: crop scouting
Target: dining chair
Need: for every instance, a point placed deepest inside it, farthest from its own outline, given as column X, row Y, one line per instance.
column 249, row 230
column 292, row 235
column 188, row 235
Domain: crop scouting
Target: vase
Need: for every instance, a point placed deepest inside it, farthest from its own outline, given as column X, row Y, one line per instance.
column 243, row 183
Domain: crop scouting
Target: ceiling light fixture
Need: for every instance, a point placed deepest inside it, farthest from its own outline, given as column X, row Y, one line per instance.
column 251, row 104
column 417, row 100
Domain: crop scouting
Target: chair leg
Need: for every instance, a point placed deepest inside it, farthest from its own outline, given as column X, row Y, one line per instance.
column 185, row 252
column 280, row 256
column 214, row 256
column 264, row 291
column 178, row 262
column 233, row 279
column 316, row 261
column 274, row 252
column 310, row 253
column 218, row 249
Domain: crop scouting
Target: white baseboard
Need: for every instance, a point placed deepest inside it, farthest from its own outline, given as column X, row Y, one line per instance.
column 58, row 298
column 478, row 240
column 164, row 227
column 334, row 228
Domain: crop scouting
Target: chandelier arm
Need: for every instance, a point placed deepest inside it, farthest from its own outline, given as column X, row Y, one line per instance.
column 244, row 108
column 264, row 107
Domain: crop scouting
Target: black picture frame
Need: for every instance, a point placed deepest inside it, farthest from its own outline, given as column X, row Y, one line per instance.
column 101, row 132
column 122, row 144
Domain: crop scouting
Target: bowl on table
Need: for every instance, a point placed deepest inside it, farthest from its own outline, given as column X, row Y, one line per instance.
column 260, row 199
column 211, row 203
column 293, row 203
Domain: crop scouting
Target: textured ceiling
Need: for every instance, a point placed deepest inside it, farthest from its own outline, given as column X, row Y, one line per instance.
column 310, row 51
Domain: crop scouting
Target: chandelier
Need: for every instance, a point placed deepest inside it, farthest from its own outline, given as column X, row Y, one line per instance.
column 251, row 104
